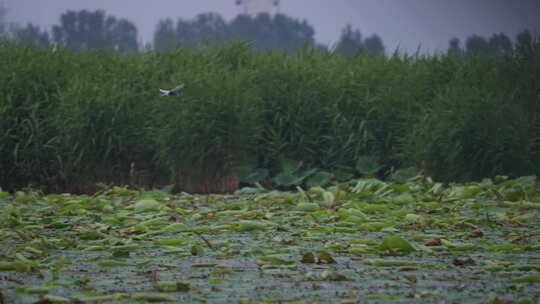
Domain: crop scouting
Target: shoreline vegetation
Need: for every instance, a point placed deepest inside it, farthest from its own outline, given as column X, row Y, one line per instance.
column 74, row 119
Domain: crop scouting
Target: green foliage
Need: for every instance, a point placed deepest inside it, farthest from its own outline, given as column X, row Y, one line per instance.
column 81, row 118
column 255, row 176
column 469, row 232
column 263, row 31
column 368, row 165
column 30, row 34
column 351, row 42
column 405, row 174
column 320, row 178
column 29, row 87
column 211, row 125
column 207, row 27
column 525, row 45
column 396, row 245
column 291, row 174
column 480, row 124
column 86, row 30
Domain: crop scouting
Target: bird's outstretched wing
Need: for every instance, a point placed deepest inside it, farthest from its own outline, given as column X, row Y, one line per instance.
column 163, row 92
column 178, row 88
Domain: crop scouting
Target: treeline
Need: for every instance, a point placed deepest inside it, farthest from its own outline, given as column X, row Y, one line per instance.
column 526, row 44
column 87, row 30
column 78, row 30
column 71, row 119
column 264, row 31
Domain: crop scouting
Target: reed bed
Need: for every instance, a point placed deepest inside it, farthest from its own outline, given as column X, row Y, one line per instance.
column 71, row 120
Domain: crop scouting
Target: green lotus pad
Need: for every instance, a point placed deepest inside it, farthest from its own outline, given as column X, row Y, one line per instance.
column 361, row 241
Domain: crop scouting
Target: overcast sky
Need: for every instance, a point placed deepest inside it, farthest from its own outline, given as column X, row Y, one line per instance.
column 407, row 23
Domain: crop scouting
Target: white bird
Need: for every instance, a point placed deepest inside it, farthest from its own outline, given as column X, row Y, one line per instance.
column 173, row 92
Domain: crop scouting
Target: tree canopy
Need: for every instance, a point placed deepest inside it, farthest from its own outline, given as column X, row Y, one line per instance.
column 30, row 34
column 498, row 44
column 351, row 42
column 264, row 31
column 208, row 27
column 2, row 21
column 87, row 30
column 84, row 29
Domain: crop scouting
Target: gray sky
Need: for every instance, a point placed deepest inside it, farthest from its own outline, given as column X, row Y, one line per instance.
column 407, row 23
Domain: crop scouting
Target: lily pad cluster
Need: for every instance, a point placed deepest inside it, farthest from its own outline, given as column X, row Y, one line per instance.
column 361, row 241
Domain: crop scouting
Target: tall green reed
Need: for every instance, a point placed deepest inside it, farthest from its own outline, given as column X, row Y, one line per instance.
column 209, row 128
column 81, row 118
column 30, row 79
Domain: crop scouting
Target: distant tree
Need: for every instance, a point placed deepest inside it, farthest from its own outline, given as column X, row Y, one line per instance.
column 3, row 12
column 205, row 28
column 31, row 34
column 476, row 44
column 500, row 44
column 263, row 31
column 374, row 45
column 80, row 30
column 454, row 47
column 290, row 33
column 242, row 27
column 525, row 44
column 267, row 32
column 210, row 27
column 351, row 42
column 121, row 35
column 165, row 35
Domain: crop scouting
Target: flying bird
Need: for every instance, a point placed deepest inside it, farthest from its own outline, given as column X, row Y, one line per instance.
column 173, row 92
